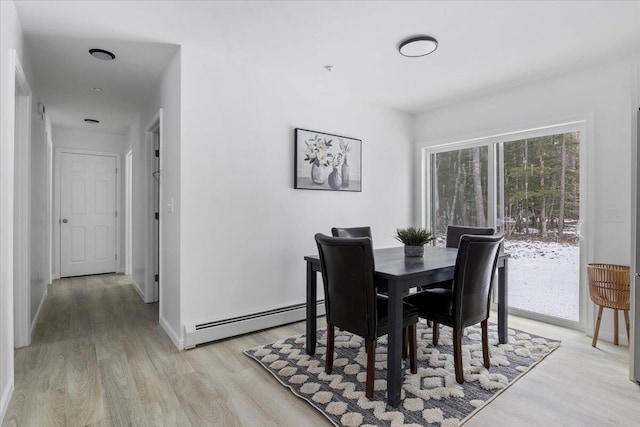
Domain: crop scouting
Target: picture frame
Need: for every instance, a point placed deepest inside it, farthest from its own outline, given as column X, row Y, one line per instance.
column 325, row 161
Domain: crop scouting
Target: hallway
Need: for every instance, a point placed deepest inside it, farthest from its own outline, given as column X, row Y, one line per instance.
column 99, row 357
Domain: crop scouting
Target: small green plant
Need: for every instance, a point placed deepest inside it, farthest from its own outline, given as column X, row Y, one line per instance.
column 413, row 236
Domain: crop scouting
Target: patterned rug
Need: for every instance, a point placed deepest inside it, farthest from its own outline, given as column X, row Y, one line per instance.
column 429, row 398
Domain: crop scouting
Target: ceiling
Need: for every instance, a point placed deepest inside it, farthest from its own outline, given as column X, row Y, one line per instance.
column 483, row 47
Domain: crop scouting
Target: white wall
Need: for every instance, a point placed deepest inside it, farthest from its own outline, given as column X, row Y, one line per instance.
column 89, row 140
column 139, row 209
column 39, row 220
column 78, row 139
column 11, row 37
column 166, row 96
column 603, row 94
column 244, row 229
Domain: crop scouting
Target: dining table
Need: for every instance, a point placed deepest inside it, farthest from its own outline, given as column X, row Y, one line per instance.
column 396, row 274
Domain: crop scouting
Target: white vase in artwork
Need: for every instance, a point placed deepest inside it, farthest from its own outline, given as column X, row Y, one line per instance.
column 318, row 174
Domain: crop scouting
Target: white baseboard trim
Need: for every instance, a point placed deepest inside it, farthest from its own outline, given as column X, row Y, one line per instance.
column 5, row 399
column 37, row 316
column 177, row 341
column 203, row 332
column 137, row 288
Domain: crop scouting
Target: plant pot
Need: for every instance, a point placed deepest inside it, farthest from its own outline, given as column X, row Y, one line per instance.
column 414, row 251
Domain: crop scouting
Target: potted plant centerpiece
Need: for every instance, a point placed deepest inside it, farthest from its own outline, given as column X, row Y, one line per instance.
column 414, row 240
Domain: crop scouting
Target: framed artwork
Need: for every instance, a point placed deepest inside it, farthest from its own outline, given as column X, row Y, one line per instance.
column 324, row 161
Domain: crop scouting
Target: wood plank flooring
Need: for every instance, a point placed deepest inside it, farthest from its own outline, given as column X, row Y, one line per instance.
column 99, row 358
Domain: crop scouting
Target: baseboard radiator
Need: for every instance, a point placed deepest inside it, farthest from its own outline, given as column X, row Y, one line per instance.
column 212, row 331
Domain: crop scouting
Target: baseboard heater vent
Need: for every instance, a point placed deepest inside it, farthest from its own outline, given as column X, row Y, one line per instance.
column 201, row 333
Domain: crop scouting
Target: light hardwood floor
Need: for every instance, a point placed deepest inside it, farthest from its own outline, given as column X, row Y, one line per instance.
column 99, row 358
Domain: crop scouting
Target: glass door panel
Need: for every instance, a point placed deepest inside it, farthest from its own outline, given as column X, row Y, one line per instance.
column 538, row 205
column 459, row 184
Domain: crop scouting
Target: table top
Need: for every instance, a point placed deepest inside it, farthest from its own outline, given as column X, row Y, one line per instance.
column 392, row 263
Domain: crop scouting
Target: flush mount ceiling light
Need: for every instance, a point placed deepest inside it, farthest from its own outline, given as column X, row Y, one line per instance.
column 102, row 54
column 94, row 121
column 418, row 46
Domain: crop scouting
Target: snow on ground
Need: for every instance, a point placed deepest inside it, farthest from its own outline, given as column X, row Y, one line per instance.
column 544, row 277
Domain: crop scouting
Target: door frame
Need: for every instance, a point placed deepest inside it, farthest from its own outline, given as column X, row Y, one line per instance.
column 56, row 200
column 128, row 212
column 22, row 205
column 153, row 293
column 583, row 124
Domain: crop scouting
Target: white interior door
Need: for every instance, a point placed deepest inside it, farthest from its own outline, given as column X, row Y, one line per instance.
column 88, row 214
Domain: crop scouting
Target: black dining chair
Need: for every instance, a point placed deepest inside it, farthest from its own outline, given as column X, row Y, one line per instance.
column 352, row 303
column 352, row 232
column 455, row 231
column 467, row 302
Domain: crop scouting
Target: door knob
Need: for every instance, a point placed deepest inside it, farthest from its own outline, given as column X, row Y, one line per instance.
column 65, row 220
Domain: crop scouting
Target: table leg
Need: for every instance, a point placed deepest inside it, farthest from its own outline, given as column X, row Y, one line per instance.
column 394, row 356
column 311, row 309
column 503, row 305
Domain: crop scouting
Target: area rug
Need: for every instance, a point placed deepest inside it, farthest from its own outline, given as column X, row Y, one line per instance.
column 432, row 397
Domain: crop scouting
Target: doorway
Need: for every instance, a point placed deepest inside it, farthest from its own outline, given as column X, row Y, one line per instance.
column 540, row 211
column 87, row 199
column 527, row 185
column 153, row 154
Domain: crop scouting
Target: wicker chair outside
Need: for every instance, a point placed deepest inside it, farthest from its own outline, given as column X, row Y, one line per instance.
column 609, row 287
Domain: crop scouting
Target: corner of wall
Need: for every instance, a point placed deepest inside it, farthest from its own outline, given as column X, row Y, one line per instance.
column 5, row 399
column 138, row 289
column 34, row 321
column 175, row 338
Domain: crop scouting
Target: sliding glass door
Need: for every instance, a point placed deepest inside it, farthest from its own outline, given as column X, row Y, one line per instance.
column 526, row 185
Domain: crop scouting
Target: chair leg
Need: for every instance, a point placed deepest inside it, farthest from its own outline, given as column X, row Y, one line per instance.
column 615, row 327
column 457, row 355
column 626, row 321
column 413, row 356
column 485, row 343
column 371, row 367
column 405, row 342
column 595, row 333
column 330, row 343
column 436, row 330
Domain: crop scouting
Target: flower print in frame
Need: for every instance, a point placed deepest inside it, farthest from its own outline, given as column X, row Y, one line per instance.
column 324, row 161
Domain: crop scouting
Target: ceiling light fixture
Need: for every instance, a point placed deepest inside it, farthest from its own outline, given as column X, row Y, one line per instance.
column 418, row 46
column 97, row 90
column 93, row 121
column 102, row 54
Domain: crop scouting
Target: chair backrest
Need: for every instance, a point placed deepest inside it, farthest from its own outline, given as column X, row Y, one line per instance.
column 455, row 231
column 349, row 289
column 351, row 232
column 473, row 278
